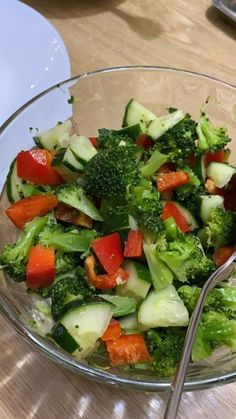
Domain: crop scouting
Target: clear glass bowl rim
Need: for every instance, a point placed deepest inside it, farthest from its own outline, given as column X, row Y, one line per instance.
column 51, row 351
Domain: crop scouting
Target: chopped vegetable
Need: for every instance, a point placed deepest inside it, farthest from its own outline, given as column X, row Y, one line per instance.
column 104, row 281
column 143, row 216
column 134, row 244
column 108, row 249
column 112, row 332
column 23, row 211
column 128, row 349
column 222, row 254
column 40, row 269
column 35, row 166
column 172, row 180
column 171, row 210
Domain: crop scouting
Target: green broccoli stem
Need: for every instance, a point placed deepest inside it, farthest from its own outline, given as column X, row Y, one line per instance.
column 160, row 273
column 32, row 229
column 153, row 164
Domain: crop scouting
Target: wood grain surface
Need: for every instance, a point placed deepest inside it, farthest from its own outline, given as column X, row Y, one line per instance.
column 102, row 33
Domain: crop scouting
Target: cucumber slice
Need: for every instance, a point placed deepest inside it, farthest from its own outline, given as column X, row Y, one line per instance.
column 208, row 202
column 135, row 113
column 14, row 184
column 221, row 173
column 51, row 139
column 200, row 169
column 65, row 157
column 122, row 306
column 160, row 125
column 64, row 339
column 130, row 324
column 86, row 324
column 191, row 220
column 133, row 131
column 138, row 283
column 82, row 148
column 163, row 308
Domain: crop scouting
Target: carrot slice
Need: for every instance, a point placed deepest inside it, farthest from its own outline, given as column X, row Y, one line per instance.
column 222, row 254
column 113, row 331
column 40, row 270
column 171, row 180
column 128, row 349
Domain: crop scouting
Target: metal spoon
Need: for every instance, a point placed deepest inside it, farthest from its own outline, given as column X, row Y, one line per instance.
column 218, row 276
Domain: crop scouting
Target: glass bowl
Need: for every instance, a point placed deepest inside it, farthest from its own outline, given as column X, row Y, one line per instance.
column 99, row 101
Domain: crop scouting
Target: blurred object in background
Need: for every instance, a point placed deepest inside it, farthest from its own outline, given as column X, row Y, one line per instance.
column 228, row 7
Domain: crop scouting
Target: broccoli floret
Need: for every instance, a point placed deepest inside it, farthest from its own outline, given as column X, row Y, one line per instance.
column 189, row 190
column 13, row 258
column 65, row 261
column 67, row 288
column 69, row 239
column 221, row 228
column 108, row 139
column 214, row 330
column 165, row 346
column 210, row 138
column 186, row 259
column 178, row 142
column 222, row 300
column 110, row 171
column 146, row 206
column 73, row 195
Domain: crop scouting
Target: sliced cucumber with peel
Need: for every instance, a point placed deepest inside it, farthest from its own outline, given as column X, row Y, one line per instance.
column 65, row 157
column 14, row 184
column 138, row 283
column 221, row 173
column 160, row 125
column 79, row 330
column 82, row 149
column 200, row 169
column 52, row 138
column 209, row 202
column 136, row 113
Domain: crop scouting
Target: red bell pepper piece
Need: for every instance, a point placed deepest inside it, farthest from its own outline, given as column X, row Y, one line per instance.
column 191, row 160
column 218, row 157
column 26, row 209
column 108, row 249
column 104, row 281
column 144, row 141
column 113, row 331
column 40, row 270
column 35, row 166
column 171, row 210
column 128, row 349
column 134, row 244
column 167, row 168
column 222, row 254
column 171, row 180
column 94, row 141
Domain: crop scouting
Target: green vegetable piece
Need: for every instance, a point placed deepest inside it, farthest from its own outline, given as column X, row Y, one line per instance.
column 153, row 164
column 163, row 308
column 160, row 273
column 122, row 305
column 72, row 194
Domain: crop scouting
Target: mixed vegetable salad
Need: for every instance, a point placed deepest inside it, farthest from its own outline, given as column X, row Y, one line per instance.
column 118, row 234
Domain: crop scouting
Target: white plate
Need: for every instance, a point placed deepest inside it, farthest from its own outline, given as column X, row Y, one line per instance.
column 32, row 56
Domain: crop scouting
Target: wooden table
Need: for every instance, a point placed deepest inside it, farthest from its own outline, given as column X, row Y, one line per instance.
column 102, row 33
